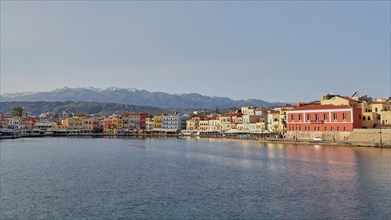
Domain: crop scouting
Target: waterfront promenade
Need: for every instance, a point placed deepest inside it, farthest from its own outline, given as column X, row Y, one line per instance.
column 253, row 137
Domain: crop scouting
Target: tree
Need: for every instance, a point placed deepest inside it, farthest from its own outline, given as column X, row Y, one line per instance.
column 17, row 111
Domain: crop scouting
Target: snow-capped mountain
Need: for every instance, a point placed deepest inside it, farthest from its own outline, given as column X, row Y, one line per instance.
column 135, row 97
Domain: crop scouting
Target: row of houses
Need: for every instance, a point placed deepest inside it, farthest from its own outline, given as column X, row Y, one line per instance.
column 249, row 119
column 332, row 113
column 339, row 114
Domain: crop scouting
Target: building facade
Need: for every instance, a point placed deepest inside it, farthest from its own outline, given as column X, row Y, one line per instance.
column 324, row 118
column 174, row 122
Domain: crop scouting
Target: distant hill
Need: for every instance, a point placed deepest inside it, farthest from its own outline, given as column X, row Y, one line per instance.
column 136, row 97
column 98, row 108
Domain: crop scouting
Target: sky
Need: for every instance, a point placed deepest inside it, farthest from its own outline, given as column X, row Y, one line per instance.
column 275, row 51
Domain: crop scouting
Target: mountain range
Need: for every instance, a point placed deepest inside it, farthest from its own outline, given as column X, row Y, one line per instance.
column 96, row 108
column 135, row 97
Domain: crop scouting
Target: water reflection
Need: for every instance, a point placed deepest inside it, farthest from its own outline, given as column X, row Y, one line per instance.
column 169, row 178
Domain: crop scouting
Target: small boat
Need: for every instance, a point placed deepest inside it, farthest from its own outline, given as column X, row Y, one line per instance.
column 318, row 139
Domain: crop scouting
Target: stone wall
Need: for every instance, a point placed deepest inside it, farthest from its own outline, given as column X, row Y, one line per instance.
column 358, row 135
column 371, row 135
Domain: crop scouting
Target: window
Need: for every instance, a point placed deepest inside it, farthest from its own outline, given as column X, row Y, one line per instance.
column 325, row 116
column 344, row 116
column 292, row 117
column 299, row 117
column 344, row 128
column 338, row 128
column 335, row 116
column 369, row 118
column 325, row 128
column 308, row 117
column 363, row 118
column 316, row 117
column 375, row 109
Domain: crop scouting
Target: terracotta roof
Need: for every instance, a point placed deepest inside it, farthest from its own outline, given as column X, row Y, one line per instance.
column 320, row 107
column 201, row 117
column 133, row 113
column 231, row 114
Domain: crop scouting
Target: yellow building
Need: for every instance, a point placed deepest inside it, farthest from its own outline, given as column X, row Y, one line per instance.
column 214, row 125
column 158, row 121
column 274, row 121
column 376, row 114
column 72, row 123
column 338, row 100
column 385, row 118
column 191, row 124
column 248, row 110
column 112, row 124
column 204, row 125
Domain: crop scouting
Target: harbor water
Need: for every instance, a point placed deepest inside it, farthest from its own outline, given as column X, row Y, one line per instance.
column 172, row 178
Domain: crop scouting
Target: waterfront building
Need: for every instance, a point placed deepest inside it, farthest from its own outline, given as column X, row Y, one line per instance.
column 15, row 123
column 133, row 121
column 4, row 121
column 158, row 121
column 149, row 123
column 191, row 124
column 174, row 122
column 112, row 124
column 214, row 125
column 275, row 121
column 324, row 118
column 92, row 125
column 72, row 123
column 203, row 124
column 46, row 126
column 250, row 119
column 375, row 114
column 27, row 123
column 230, row 120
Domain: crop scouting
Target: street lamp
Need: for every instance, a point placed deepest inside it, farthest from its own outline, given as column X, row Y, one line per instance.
column 381, row 141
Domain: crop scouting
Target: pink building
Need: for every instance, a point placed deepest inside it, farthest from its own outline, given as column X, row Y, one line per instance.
column 134, row 120
column 324, row 118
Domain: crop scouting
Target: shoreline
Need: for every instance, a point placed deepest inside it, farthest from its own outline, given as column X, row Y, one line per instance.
column 260, row 140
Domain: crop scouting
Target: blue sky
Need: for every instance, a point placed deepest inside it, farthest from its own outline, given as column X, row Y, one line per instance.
column 276, row 51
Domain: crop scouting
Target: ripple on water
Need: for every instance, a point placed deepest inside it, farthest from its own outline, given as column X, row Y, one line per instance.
column 82, row 178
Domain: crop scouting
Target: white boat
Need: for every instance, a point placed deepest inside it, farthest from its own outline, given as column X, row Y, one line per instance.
column 318, row 139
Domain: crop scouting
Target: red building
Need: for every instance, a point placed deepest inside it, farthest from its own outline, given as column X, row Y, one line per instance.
column 27, row 123
column 134, row 120
column 324, row 118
